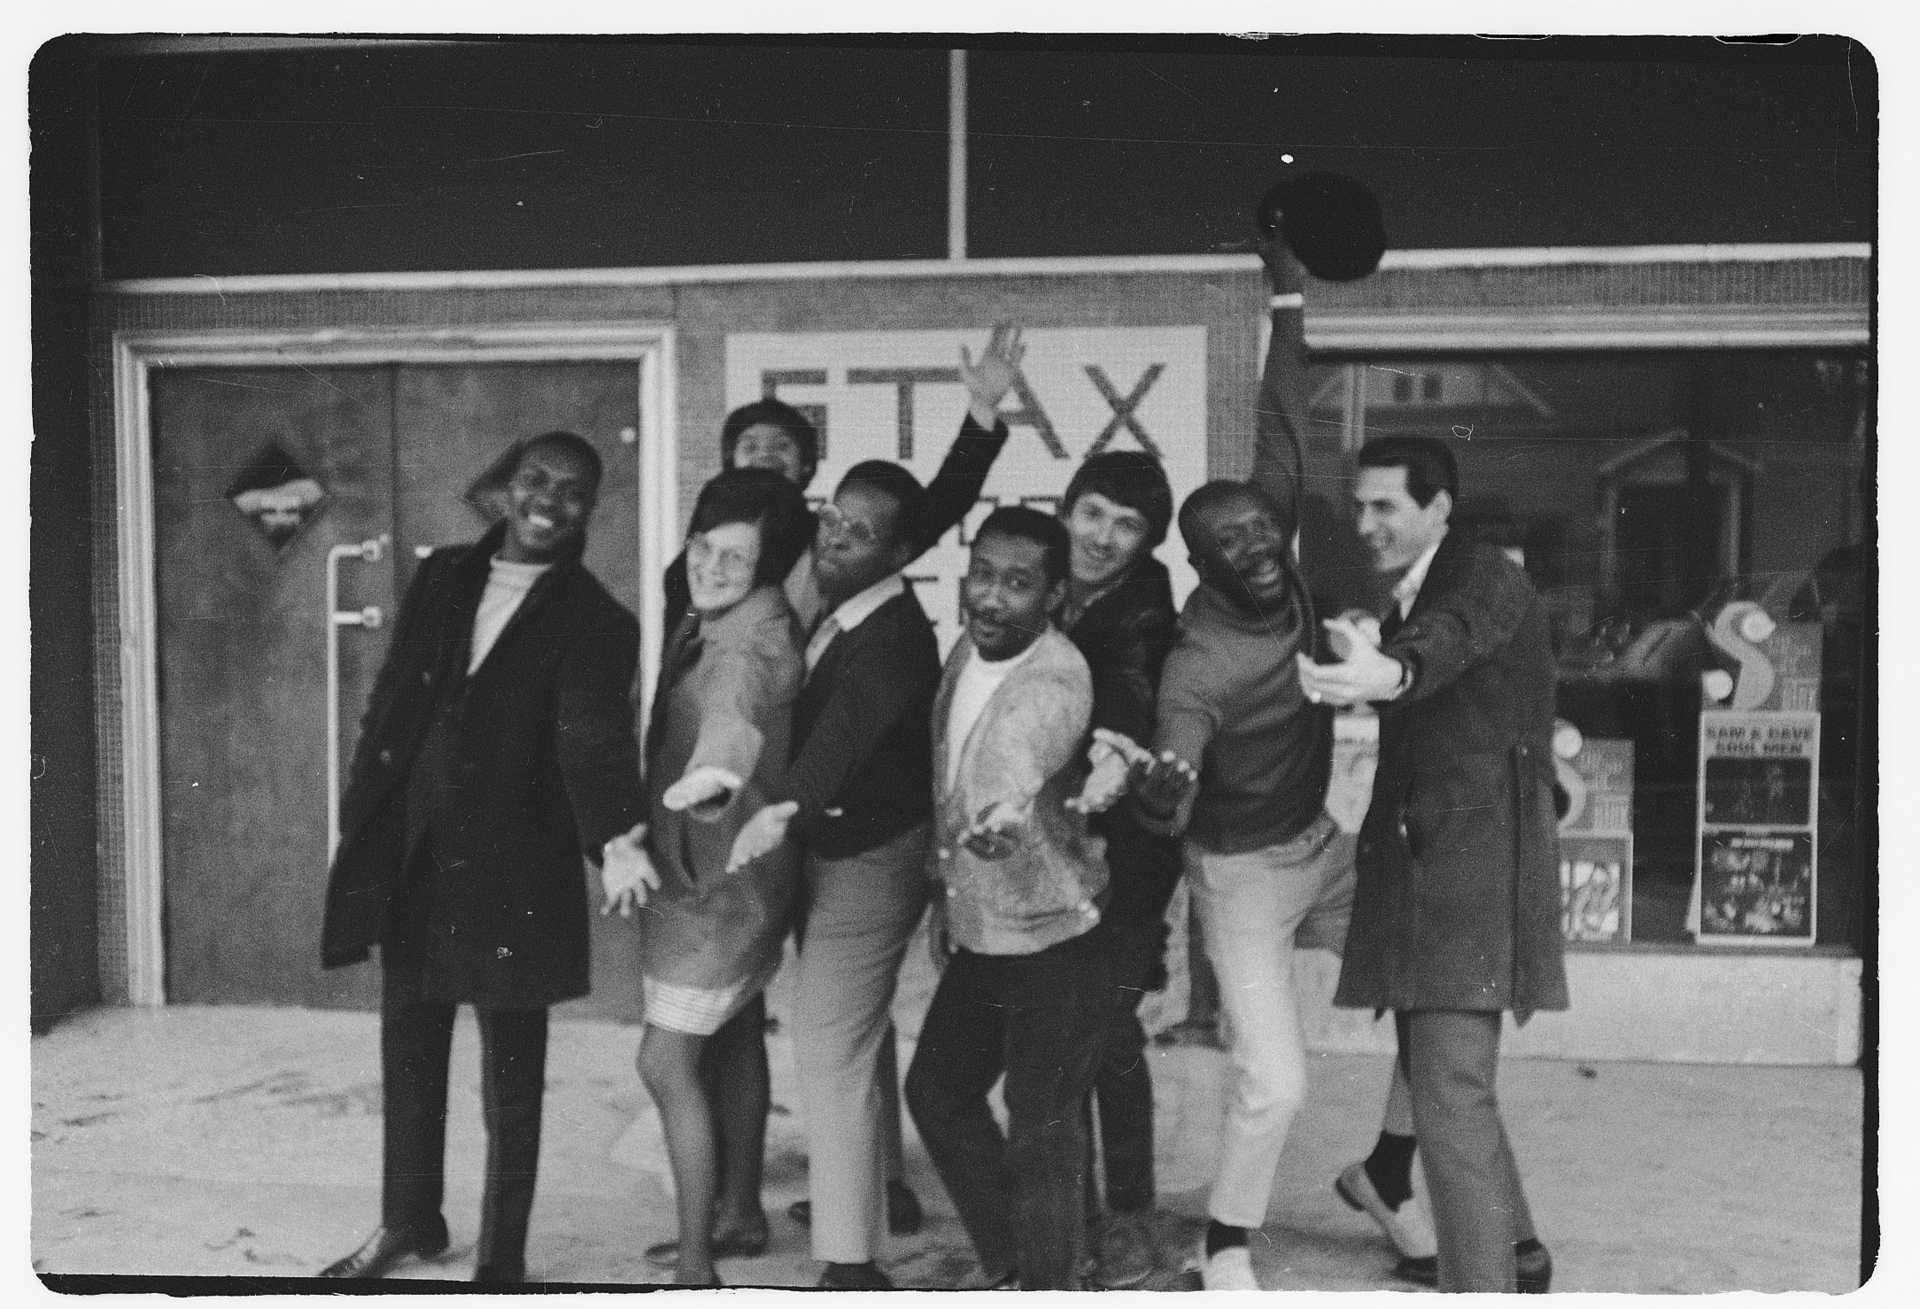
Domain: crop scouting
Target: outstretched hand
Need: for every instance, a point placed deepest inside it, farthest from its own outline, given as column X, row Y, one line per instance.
column 997, row 832
column 988, row 380
column 1363, row 674
column 1111, row 755
column 762, row 834
column 1161, row 783
column 1341, row 632
column 627, row 874
column 705, row 790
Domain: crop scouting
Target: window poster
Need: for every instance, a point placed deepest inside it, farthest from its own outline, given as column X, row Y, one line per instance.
column 1758, row 801
column 1596, row 835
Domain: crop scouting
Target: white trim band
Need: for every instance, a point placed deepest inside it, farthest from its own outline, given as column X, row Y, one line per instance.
column 1094, row 265
column 1515, row 328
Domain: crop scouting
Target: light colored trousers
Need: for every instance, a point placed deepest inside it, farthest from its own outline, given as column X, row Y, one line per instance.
column 1255, row 908
column 861, row 915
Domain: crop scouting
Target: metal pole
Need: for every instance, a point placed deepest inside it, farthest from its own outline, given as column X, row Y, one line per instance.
column 956, row 154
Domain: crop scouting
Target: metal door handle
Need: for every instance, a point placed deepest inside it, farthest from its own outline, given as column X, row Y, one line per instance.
column 369, row 551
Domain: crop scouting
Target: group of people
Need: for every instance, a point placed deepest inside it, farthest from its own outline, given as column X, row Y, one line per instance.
column 811, row 769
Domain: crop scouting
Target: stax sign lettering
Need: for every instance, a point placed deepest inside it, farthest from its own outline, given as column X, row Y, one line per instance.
column 898, row 396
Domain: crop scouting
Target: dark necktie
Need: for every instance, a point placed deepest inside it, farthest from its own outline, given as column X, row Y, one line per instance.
column 1392, row 622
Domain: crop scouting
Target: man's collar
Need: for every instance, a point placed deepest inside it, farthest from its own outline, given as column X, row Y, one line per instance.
column 1407, row 589
column 854, row 610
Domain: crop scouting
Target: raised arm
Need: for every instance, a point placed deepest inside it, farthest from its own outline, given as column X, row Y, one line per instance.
column 1280, row 416
column 955, row 489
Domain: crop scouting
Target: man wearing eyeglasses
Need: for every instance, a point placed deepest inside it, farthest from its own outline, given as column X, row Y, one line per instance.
column 859, row 793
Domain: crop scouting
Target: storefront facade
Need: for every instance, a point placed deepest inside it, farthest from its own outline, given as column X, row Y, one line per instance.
column 1673, row 440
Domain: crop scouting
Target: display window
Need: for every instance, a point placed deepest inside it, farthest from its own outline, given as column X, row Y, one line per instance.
column 1700, row 528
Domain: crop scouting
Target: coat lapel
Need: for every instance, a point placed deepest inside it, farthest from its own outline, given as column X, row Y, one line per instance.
column 943, row 712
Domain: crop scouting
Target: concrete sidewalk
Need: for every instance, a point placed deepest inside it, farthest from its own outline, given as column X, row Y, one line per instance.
column 246, row 1142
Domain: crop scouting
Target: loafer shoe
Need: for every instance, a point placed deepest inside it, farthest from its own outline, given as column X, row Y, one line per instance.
column 500, row 1274
column 1408, row 1227
column 1230, row 1269
column 387, row 1247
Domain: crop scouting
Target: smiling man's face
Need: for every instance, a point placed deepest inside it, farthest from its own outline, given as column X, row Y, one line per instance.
column 1240, row 548
column 549, row 500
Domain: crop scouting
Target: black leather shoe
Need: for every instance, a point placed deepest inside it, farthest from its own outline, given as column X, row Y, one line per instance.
column 500, row 1274
column 855, row 1277
column 1421, row 1272
column 1533, row 1272
column 385, row 1248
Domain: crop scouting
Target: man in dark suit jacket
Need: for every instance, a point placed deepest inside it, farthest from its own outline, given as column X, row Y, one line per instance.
column 497, row 749
column 1457, row 914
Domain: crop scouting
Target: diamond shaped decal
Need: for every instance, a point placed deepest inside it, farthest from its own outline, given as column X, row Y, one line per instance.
column 276, row 495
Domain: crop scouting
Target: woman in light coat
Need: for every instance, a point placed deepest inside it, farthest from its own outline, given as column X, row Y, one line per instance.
column 712, row 939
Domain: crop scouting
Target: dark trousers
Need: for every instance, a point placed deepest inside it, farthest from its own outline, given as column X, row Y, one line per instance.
column 1039, row 1019
column 416, row 1038
column 1479, row 1206
column 1145, row 870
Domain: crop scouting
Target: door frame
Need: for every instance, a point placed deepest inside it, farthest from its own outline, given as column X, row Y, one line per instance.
column 650, row 346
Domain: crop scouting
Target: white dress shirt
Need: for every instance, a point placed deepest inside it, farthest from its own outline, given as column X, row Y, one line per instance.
column 852, row 612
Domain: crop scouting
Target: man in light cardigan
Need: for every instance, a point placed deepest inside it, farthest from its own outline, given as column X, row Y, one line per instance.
column 1027, row 990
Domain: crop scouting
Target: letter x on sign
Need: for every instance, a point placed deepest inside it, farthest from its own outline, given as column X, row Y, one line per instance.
column 1123, row 410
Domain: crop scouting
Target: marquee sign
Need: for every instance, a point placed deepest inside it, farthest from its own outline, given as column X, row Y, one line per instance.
column 897, row 395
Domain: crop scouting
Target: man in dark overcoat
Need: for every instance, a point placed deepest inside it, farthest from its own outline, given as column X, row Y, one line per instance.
column 1456, row 917
column 497, row 750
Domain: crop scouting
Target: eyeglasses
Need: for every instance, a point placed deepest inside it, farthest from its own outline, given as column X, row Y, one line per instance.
column 836, row 523
column 702, row 555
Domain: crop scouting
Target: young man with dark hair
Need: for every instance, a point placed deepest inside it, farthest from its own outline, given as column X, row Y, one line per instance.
column 1457, row 914
column 859, row 792
column 497, row 749
column 1119, row 614
column 1027, row 991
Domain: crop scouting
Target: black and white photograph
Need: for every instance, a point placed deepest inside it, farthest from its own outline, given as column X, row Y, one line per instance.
column 958, row 660
column 1760, row 792
column 1756, row 886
